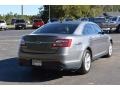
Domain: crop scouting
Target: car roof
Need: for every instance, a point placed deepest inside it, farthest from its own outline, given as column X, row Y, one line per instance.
column 99, row 17
column 2, row 21
column 20, row 19
column 115, row 16
column 71, row 22
column 66, row 22
column 37, row 19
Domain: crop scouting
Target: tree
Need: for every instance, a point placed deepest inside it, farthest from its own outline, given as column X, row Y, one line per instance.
column 73, row 11
column 44, row 14
column 8, row 17
column 1, row 17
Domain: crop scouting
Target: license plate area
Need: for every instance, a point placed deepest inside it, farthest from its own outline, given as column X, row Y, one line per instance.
column 36, row 62
column 20, row 26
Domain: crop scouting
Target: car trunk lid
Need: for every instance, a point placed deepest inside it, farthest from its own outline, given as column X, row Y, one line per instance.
column 40, row 44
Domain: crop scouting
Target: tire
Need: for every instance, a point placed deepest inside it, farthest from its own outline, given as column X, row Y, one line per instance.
column 109, row 54
column 24, row 27
column 5, row 29
column 118, row 29
column 16, row 28
column 33, row 27
column 86, row 62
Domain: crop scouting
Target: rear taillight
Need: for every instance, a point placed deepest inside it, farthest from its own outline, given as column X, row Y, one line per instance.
column 62, row 43
column 22, row 43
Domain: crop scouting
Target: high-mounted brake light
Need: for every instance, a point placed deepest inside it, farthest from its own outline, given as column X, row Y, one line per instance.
column 62, row 43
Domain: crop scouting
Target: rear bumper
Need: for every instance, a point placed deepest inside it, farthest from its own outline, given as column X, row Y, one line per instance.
column 20, row 26
column 3, row 27
column 51, row 61
column 35, row 27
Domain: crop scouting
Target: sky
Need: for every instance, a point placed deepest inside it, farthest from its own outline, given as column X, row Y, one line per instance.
column 27, row 9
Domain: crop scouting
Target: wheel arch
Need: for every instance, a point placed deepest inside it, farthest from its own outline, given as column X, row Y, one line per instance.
column 111, row 41
column 88, row 48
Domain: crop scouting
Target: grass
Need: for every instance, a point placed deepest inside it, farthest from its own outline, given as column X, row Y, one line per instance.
column 11, row 26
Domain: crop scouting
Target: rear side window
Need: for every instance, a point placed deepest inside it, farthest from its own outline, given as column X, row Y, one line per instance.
column 119, row 19
column 88, row 30
column 96, row 28
column 57, row 28
column 114, row 18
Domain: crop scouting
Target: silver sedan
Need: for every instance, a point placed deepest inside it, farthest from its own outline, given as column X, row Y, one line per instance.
column 70, row 45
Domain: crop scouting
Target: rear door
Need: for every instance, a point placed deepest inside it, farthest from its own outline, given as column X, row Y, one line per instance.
column 102, row 38
column 93, row 38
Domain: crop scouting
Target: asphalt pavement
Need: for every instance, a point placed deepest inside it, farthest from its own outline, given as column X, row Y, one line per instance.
column 104, row 71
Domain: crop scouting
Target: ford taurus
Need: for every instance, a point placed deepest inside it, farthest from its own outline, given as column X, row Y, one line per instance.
column 70, row 45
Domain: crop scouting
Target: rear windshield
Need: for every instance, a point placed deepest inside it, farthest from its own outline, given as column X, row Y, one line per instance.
column 37, row 20
column 57, row 28
column 53, row 20
column 99, row 20
column 2, row 21
column 20, row 21
column 91, row 19
column 84, row 19
column 68, row 19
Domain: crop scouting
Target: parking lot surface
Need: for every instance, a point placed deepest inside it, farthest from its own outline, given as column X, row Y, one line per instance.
column 103, row 71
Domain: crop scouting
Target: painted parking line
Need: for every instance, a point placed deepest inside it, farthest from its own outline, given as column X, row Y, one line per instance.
column 9, row 40
column 8, row 36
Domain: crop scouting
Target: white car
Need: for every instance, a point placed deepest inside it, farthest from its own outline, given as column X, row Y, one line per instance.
column 3, row 25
